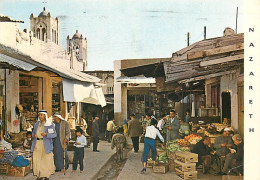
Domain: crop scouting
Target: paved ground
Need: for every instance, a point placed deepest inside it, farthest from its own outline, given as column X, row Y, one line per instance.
column 93, row 162
column 133, row 167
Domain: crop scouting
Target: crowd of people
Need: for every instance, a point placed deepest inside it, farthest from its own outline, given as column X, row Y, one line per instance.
column 226, row 151
column 49, row 139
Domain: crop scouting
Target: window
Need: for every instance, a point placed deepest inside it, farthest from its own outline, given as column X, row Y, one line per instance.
column 215, row 96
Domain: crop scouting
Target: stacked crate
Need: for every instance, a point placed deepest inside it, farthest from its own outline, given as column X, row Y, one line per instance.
column 160, row 167
column 3, row 168
column 171, row 157
column 185, row 165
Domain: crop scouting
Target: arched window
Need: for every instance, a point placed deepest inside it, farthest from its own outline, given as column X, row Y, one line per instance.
column 43, row 34
column 38, row 33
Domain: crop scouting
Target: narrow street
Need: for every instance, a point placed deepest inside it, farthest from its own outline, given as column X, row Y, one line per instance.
column 103, row 166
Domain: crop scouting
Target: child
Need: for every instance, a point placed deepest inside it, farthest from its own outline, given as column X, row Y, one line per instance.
column 28, row 140
column 79, row 150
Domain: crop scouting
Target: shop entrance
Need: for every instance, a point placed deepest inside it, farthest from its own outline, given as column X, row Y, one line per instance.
column 30, row 97
column 226, row 105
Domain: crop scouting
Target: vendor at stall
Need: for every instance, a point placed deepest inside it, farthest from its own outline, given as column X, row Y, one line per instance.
column 173, row 127
column 161, row 123
column 42, row 146
column 149, row 142
column 28, row 140
column 223, row 143
column 204, row 151
column 235, row 159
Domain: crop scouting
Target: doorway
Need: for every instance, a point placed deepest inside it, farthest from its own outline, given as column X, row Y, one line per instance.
column 226, row 105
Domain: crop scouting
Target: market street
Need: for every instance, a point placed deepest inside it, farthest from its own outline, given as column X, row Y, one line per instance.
column 93, row 162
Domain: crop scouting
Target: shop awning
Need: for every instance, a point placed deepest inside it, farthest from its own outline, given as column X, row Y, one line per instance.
column 76, row 91
column 137, row 80
column 16, row 63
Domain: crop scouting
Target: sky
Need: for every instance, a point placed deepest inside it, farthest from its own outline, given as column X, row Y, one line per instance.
column 130, row 29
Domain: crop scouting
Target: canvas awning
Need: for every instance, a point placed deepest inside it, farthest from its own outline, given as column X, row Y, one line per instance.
column 137, row 80
column 76, row 91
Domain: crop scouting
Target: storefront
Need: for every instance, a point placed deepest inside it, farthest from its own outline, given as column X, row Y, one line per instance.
column 2, row 102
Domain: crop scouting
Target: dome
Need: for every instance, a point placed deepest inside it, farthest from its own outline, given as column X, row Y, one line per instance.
column 77, row 35
column 44, row 13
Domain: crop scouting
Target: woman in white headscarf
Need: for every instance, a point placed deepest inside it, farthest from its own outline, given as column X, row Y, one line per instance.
column 42, row 146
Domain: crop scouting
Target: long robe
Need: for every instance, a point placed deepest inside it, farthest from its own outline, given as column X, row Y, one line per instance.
column 43, row 164
column 59, row 152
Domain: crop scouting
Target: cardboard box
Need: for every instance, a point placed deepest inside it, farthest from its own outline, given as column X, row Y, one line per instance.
column 185, row 166
column 18, row 171
column 161, row 168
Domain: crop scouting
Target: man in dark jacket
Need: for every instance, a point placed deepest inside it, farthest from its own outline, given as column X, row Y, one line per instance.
column 202, row 148
column 235, row 158
column 134, row 131
column 95, row 132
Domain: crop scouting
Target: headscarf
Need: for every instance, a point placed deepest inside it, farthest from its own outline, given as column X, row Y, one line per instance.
column 48, row 122
column 57, row 114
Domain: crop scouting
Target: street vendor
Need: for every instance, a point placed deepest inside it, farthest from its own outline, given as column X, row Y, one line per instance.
column 60, row 142
column 235, row 159
column 223, row 143
column 147, row 120
column 173, row 127
column 42, row 146
column 204, row 150
column 28, row 140
column 161, row 123
column 149, row 142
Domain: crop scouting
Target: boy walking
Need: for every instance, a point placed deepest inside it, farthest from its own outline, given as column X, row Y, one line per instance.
column 79, row 150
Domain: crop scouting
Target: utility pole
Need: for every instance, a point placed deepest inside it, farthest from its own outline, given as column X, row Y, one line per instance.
column 236, row 19
column 205, row 31
column 188, row 39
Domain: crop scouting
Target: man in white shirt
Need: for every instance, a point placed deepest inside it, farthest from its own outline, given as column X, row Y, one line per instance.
column 110, row 128
column 161, row 123
column 149, row 142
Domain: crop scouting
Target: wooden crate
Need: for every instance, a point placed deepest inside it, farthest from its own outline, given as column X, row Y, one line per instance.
column 186, row 157
column 171, row 167
column 185, row 166
column 18, row 171
column 161, row 168
column 226, row 177
column 186, row 175
column 149, row 164
column 3, row 168
column 171, row 161
column 171, row 155
column 159, row 152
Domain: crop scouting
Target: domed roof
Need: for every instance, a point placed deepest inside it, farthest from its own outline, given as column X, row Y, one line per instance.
column 77, row 35
column 43, row 13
